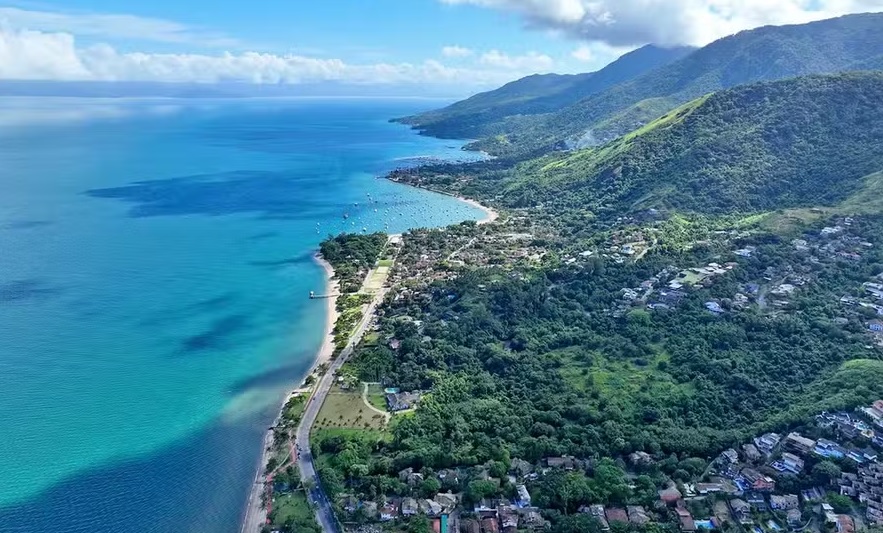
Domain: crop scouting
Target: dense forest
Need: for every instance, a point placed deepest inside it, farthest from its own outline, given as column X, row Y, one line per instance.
column 540, row 368
column 352, row 256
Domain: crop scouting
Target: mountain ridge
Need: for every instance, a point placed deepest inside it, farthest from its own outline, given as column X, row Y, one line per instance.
column 537, row 94
column 768, row 53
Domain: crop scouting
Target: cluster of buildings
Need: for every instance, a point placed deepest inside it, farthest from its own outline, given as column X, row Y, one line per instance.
column 748, row 478
column 630, row 514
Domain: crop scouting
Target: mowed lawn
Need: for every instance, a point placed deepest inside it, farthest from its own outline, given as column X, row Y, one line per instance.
column 345, row 409
column 292, row 508
column 376, row 397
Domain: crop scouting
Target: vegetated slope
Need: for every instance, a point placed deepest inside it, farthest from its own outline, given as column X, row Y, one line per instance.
column 800, row 142
column 481, row 114
column 774, row 52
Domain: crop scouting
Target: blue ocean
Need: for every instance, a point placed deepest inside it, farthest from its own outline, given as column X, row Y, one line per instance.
column 155, row 263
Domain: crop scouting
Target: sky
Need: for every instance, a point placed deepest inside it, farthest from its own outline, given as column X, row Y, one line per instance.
column 464, row 45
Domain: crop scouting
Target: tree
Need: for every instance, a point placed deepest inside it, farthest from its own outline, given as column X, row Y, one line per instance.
column 430, row 487
column 578, row 523
column 841, row 504
column 825, row 472
column 479, row 489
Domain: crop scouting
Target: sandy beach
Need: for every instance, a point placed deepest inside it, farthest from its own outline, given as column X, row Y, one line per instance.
column 255, row 514
column 491, row 215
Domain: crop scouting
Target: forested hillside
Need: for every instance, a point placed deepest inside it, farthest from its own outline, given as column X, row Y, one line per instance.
column 482, row 114
column 800, row 142
column 769, row 53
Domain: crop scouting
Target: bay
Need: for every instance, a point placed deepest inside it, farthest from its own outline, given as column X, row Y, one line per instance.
column 155, row 262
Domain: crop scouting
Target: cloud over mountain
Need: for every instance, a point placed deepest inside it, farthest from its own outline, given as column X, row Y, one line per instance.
column 667, row 22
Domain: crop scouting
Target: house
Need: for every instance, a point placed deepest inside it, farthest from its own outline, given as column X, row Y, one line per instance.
column 828, row 511
column 598, row 512
column 799, row 443
column 430, row 507
column 485, row 507
column 615, row 514
column 508, row 517
column 447, row 501
column 565, row 462
column 389, row 512
column 349, row 503
column 845, row 524
column 637, row 515
column 789, row 463
column 670, row 496
column 685, row 520
column 741, row 511
column 409, row 507
column 533, row 520
column 767, row 443
column 785, row 502
column 401, row 401
column 370, row 509
column 714, row 307
column 490, row 525
column 751, row 453
column 708, row 488
column 815, row 494
column 795, row 518
column 876, row 326
column 756, row 500
column 470, row 526
column 521, row 467
column 729, row 457
column 523, row 496
column 641, row 459
column 829, row 449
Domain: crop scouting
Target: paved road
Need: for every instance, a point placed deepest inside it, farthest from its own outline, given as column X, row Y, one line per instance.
column 324, row 511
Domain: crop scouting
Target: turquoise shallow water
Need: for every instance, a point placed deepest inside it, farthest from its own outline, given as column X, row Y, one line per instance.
column 155, row 257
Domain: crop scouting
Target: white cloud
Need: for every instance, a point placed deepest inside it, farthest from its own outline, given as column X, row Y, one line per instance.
column 34, row 55
column 583, row 54
column 456, row 51
column 667, row 22
column 532, row 61
column 113, row 26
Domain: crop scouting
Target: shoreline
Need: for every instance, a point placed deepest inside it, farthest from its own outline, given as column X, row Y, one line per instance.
column 491, row 214
column 256, row 514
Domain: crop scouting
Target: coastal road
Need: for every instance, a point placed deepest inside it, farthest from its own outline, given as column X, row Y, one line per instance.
column 324, row 511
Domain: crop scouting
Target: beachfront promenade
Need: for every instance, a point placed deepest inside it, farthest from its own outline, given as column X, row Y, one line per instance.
column 318, row 498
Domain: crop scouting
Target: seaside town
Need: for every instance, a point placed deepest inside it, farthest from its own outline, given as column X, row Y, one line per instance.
column 822, row 477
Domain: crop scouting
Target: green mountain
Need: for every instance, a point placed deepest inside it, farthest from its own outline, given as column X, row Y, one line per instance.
column 805, row 141
column 769, row 53
column 481, row 114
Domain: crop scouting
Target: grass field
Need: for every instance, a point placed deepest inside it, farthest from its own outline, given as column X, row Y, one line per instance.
column 375, row 280
column 867, row 201
column 624, row 383
column 345, row 409
column 376, row 396
column 293, row 509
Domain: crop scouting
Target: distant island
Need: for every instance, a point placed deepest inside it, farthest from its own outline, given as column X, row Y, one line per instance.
column 675, row 327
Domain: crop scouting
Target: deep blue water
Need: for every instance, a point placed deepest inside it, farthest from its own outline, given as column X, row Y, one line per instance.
column 155, row 257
